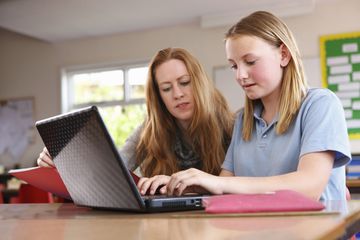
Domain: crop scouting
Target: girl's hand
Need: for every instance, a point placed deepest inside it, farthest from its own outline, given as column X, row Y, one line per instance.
column 45, row 160
column 153, row 185
column 193, row 180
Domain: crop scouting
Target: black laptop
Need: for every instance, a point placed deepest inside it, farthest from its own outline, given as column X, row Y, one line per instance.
column 92, row 169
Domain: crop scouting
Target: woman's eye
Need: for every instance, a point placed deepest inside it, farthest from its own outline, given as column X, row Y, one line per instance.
column 233, row 67
column 165, row 89
column 184, row 83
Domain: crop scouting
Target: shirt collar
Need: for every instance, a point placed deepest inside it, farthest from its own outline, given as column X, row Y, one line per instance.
column 258, row 108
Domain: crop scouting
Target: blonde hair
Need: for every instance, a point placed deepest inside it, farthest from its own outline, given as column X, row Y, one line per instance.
column 210, row 128
column 293, row 87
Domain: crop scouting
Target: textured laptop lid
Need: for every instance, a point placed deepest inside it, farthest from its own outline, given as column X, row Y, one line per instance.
column 87, row 160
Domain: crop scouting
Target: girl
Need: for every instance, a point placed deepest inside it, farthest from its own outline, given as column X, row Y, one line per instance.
column 287, row 136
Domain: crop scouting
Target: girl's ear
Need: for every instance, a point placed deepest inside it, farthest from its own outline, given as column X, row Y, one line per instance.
column 285, row 55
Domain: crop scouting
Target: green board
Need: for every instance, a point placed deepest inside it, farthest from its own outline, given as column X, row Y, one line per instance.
column 340, row 63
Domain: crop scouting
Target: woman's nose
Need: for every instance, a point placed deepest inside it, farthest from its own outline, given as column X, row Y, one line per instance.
column 178, row 93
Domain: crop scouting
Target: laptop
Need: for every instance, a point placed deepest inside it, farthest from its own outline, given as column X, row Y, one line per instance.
column 92, row 169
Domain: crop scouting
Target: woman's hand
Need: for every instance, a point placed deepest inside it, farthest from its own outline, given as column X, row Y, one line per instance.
column 193, row 180
column 150, row 185
column 45, row 160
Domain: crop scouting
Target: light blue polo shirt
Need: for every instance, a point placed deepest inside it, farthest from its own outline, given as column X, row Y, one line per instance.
column 319, row 126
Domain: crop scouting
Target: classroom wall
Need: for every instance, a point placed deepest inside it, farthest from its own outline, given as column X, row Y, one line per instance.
column 29, row 67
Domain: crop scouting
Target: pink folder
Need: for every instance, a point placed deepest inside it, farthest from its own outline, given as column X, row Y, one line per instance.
column 47, row 179
column 278, row 201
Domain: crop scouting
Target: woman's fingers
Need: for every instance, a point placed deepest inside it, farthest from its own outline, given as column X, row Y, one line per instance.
column 150, row 185
column 163, row 190
column 45, row 160
column 142, row 185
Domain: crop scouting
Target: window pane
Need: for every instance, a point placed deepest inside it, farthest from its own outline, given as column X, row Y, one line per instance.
column 98, row 86
column 121, row 121
column 137, row 79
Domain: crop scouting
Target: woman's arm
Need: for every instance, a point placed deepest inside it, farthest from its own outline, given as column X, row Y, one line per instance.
column 128, row 150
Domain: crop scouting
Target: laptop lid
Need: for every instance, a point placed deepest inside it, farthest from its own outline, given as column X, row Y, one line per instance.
column 91, row 167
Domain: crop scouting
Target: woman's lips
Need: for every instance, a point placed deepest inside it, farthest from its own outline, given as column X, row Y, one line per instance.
column 182, row 105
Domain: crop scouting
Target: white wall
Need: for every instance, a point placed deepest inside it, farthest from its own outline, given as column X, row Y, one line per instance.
column 29, row 67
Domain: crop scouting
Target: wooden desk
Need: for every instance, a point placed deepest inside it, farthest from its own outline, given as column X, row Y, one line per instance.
column 66, row 221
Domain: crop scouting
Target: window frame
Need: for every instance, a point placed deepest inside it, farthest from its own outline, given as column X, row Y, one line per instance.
column 67, row 92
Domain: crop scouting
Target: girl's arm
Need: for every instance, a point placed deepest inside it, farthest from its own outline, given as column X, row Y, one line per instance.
column 311, row 177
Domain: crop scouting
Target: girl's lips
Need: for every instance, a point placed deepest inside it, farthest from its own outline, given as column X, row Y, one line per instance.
column 248, row 85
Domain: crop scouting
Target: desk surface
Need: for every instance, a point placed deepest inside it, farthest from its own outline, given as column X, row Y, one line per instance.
column 66, row 221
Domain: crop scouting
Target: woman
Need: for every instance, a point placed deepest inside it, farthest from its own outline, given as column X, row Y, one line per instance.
column 287, row 136
column 188, row 123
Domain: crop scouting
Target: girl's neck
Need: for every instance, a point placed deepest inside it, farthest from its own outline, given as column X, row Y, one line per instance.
column 271, row 108
column 268, row 114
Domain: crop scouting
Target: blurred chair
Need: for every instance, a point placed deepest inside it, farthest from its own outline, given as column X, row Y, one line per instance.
column 31, row 194
column 2, row 187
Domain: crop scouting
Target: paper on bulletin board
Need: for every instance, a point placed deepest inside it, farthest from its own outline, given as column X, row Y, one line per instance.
column 17, row 126
column 340, row 63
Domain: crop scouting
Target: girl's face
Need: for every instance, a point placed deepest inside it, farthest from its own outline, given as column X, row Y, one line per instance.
column 257, row 66
column 175, row 90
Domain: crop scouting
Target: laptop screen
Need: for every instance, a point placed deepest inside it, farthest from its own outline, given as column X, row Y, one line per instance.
column 87, row 160
column 92, row 169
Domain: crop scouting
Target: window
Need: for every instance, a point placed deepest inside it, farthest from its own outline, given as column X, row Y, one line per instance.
column 118, row 91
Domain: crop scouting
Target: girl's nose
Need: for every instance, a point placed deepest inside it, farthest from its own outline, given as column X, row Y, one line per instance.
column 241, row 74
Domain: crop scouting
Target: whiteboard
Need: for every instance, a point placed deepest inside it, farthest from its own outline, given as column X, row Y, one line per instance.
column 224, row 79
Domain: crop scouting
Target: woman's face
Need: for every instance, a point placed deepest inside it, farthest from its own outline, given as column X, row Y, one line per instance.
column 257, row 65
column 175, row 90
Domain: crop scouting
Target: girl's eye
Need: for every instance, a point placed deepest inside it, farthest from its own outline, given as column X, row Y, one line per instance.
column 250, row 62
column 233, row 67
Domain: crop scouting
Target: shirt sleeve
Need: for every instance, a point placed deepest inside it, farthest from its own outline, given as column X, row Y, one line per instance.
column 324, row 127
column 228, row 163
column 128, row 151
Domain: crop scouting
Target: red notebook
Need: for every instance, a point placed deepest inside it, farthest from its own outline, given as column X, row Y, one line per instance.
column 279, row 201
column 47, row 179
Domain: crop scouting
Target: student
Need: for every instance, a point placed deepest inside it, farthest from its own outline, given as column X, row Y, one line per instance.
column 188, row 123
column 287, row 136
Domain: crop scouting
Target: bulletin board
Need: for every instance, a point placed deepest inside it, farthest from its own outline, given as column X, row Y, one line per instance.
column 340, row 68
column 17, row 126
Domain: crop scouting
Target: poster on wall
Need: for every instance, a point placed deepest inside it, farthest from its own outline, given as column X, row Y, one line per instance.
column 340, row 67
column 17, row 127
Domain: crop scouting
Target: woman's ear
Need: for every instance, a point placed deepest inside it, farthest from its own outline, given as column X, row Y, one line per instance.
column 285, row 55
